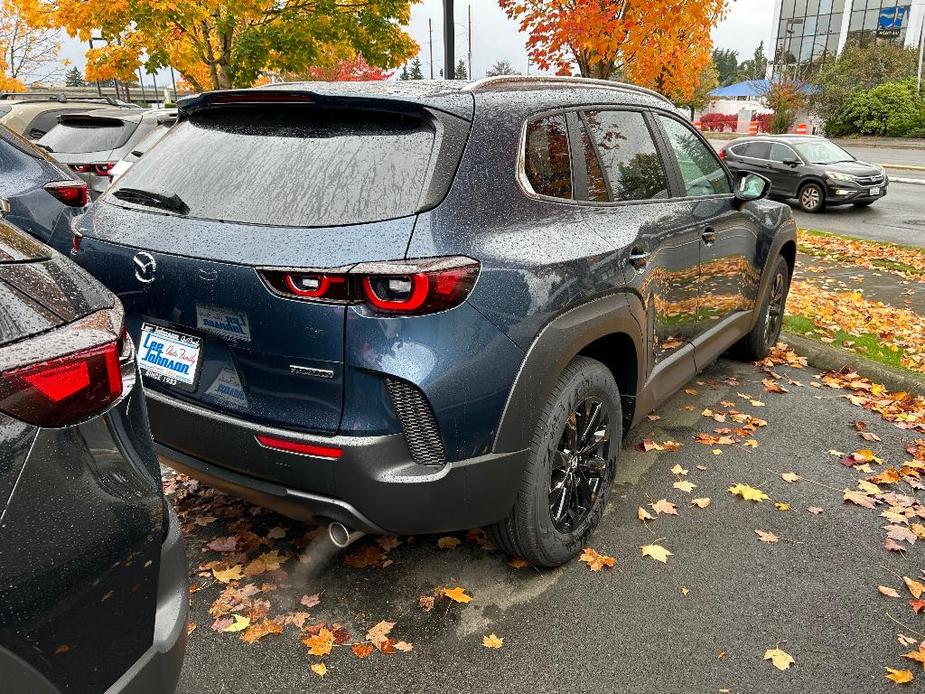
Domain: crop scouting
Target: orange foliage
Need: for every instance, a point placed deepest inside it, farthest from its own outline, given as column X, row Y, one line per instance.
column 661, row 44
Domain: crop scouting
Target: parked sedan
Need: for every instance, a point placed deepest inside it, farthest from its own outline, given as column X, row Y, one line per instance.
column 93, row 580
column 92, row 143
column 813, row 170
column 44, row 196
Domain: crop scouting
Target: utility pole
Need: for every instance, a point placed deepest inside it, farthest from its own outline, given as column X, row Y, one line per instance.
column 157, row 97
column 918, row 87
column 142, row 83
column 430, row 43
column 469, row 44
column 449, row 41
column 173, row 81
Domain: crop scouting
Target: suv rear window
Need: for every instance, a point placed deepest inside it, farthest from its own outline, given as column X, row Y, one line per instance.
column 290, row 166
column 79, row 135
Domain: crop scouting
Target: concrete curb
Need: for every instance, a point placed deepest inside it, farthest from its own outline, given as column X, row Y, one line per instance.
column 902, row 167
column 830, row 358
column 913, row 181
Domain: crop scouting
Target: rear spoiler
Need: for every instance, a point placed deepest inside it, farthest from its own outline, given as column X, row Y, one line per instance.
column 455, row 104
column 90, row 119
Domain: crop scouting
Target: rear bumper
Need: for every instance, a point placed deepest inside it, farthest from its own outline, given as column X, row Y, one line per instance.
column 374, row 486
column 158, row 669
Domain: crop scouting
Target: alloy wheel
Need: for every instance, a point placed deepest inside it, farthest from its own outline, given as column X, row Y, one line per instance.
column 775, row 312
column 810, row 198
column 580, row 467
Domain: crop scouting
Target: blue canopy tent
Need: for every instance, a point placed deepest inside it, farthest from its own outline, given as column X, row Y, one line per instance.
column 750, row 89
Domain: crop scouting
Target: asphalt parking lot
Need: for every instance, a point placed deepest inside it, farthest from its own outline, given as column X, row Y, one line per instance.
column 701, row 622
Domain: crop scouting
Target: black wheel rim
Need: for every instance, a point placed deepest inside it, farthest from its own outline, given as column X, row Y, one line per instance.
column 775, row 314
column 580, row 465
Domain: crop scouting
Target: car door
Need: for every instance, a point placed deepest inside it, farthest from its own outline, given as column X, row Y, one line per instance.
column 784, row 177
column 727, row 235
column 622, row 178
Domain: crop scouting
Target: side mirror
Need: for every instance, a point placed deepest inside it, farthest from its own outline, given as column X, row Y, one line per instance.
column 751, row 186
column 4, row 207
column 792, row 162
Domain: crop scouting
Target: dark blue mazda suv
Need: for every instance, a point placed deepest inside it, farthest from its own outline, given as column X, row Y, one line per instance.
column 427, row 306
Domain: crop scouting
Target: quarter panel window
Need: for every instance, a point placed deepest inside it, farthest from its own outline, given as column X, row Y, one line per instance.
column 627, row 156
column 546, row 160
column 700, row 168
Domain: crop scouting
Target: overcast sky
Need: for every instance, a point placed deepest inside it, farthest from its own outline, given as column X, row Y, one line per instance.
column 495, row 37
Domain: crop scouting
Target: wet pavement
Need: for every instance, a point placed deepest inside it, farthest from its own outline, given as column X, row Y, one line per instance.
column 876, row 285
column 631, row 628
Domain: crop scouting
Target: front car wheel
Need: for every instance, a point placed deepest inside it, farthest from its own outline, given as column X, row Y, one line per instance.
column 812, row 197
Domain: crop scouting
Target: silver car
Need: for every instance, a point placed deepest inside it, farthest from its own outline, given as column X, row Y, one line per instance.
column 91, row 144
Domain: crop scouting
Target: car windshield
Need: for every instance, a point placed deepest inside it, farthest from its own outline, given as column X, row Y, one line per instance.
column 822, row 152
column 290, row 167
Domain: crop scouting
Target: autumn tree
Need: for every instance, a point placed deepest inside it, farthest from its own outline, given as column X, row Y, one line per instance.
column 28, row 53
column 661, row 44
column 353, row 70
column 216, row 44
column 700, row 98
column 501, row 67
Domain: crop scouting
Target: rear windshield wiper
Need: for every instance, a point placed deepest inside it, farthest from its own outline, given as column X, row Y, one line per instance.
column 151, row 199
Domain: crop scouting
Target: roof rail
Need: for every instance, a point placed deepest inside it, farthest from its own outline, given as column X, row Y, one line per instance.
column 488, row 82
column 62, row 98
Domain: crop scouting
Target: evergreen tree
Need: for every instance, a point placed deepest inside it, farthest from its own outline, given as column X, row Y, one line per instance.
column 501, row 67
column 74, row 78
column 461, row 72
column 756, row 67
column 727, row 65
column 416, row 73
column 404, row 73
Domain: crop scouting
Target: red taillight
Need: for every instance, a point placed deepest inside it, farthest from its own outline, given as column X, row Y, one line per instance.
column 71, row 193
column 314, row 450
column 401, row 286
column 102, row 169
column 81, row 168
column 64, row 390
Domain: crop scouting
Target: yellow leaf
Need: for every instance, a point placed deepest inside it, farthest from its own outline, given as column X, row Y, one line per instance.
column 448, row 542
column 517, row 563
column 779, row 658
column 644, row 515
column 492, row 641
column 228, row 575
column 678, row 470
column 656, row 552
column 747, row 492
column 716, row 451
column 702, row 502
column 889, row 592
column 868, row 487
column 782, row 506
column 239, row 624
column 319, row 669
column 751, row 443
column 914, row 587
column 457, row 594
column 790, row 477
column 765, row 536
column 320, row 644
column 685, row 486
column 899, row 676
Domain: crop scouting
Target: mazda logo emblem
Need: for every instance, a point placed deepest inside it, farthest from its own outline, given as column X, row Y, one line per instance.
column 145, row 266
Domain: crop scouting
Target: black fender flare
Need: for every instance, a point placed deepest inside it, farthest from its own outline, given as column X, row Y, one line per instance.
column 559, row 341
column 777, row 244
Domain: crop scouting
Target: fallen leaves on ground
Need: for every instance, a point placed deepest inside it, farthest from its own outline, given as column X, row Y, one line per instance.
column 320, row 644
column 492, row 641
column 362, row 650
column 766, row 536
column 319, row 669
column 644, row 515
column 457, row 594
column 889, row 592
column 685, row 486
column 656, row 552
column 790, row 477
column 702, row 502
column 779, row 658
column 663, row 506
column 448, row 542
column 899, row 676
column 748, row 492
column 596, row 561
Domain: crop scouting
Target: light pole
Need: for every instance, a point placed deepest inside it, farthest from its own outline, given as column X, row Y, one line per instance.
column 918, row 84
column 99, row 89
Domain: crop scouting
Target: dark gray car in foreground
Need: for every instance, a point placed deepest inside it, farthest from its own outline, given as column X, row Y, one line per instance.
column 93, row 581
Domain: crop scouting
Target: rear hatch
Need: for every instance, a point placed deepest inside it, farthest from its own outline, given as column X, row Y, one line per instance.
column 238, row 187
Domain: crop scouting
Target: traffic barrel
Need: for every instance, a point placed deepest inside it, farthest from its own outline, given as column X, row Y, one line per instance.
column 698, row 125
column 802, row 129
column 753, row 127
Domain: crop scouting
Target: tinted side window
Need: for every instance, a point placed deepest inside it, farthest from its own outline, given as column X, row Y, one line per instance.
column 621, row 142
column 781, row 153
column 755, row 150
column 700, row 168
column 547, row 157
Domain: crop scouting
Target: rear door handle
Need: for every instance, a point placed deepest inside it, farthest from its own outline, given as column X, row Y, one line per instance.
column 708, row 236
column 639, row 258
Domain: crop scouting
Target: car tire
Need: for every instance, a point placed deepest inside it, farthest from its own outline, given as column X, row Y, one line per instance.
column 539, row 529
column 811, row 197
column 766, row 331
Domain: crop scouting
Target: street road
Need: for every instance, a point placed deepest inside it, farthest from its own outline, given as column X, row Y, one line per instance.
column 632, row 628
